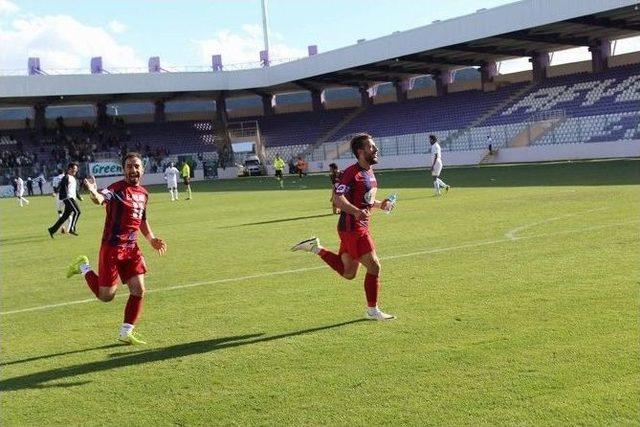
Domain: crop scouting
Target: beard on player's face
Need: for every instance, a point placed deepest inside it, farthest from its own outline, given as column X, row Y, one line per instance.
column 371, row 155
column 133, row 173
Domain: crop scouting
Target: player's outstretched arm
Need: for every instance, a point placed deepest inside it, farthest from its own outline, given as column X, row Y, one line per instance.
column 156, row 243
column 92, row 187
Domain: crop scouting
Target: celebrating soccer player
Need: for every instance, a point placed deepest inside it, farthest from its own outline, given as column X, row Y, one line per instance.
column 126, row 205
column 355, row 196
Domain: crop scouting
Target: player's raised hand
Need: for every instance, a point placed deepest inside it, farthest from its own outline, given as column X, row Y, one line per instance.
column 90, row 183
column 159, row 245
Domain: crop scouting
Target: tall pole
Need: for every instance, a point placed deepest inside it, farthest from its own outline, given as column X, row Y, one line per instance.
column 265, row 25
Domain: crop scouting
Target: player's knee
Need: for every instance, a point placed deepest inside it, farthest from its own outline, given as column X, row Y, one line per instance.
column 374, row 268
column 349, row 274
column 139, row 292
column 106, row 297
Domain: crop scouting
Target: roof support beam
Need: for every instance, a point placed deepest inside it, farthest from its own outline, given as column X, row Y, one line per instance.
column 594, row 21
column 555, row 38
column 433, row 60
column 489, row 50
column 391, row 70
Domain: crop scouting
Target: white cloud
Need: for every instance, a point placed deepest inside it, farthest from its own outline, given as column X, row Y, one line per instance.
column 117, row 27
column 243, row 47
column 7, row 7
column 60, row 41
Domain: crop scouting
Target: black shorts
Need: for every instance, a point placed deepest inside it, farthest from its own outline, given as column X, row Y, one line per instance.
column 186, row 180
column 278, row 173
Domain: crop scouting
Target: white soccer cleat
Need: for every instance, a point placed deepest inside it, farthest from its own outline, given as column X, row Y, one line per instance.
column 309, row 245
column 376, row 314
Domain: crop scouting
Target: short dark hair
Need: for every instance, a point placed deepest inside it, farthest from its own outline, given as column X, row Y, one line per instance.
column 72, row 164
column 357, row 142
column 130, row 155
column 433, row 138
column 333, row 166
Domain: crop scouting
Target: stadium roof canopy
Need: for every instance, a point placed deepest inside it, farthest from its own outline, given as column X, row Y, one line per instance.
column 514, row 30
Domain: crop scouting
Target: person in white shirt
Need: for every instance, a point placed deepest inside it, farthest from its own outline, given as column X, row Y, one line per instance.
column 171, row 175
column 68, row 192
column 20, row 192
column 436, row 165
column 55, row 183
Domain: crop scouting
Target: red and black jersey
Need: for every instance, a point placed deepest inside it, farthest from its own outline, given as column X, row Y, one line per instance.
column 359, row 186
column 126, row 209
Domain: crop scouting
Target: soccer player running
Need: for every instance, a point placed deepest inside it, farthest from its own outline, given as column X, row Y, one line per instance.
column 171, row 175
column 20, row 192
column 126, row 206
column 334, row 175
column 186, row 178
column 436, row 165
column 355, row 196
column 278, row 165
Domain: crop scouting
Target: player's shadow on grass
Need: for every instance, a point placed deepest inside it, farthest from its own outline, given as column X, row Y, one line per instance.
column 119, row 360
column 13, row 241
column 274, row 221
column 64, row 353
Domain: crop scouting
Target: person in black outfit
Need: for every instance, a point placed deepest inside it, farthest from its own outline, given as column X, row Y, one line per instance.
column 68, row 192
column 29, row 186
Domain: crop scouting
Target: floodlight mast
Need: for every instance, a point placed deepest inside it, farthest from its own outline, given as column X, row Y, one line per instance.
column 265, row 25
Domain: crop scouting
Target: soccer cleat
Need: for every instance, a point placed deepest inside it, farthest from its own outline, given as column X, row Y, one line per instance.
column 73, row 232
column 74, row 267
column 447, row 188
column 131, row 339
column 376, row 314
column 309, row 245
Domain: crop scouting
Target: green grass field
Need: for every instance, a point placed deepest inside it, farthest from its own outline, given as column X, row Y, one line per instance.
column 516, row 294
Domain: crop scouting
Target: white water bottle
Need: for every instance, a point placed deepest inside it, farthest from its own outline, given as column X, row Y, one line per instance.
column 391, row 203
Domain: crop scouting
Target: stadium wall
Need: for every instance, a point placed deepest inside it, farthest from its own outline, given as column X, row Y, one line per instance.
column 571, row 68
column 149, row 179
column 342, row 103
column 532, row 154
column 463, row 86
column 244, row 112
column 624, row 59
column 422, row 92
column 292, row 108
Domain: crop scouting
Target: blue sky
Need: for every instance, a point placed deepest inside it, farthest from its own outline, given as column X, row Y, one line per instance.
column 66, row 33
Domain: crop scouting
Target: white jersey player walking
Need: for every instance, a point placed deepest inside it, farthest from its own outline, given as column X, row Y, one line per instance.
column 436, row 165
column 171, row 175
column 20, row 192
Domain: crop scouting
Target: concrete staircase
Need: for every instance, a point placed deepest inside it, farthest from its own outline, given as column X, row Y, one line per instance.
column 334, row 131
column 484, row 117
column 539, row 126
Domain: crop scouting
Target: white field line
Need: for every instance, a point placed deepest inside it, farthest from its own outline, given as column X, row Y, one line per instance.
column 511, row 234
column 474, row 244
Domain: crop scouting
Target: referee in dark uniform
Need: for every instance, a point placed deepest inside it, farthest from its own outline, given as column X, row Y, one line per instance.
column 68, row 192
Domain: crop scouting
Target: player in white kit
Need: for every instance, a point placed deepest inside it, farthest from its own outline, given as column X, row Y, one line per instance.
column 436, row 165
column 171, row 175
column 20, row 192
